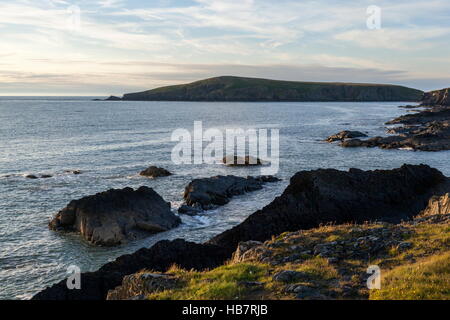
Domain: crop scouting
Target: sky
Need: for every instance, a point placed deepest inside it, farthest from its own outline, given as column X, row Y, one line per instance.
column 98, row 48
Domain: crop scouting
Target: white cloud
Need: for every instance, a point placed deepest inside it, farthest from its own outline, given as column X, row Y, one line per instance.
column 390, row 38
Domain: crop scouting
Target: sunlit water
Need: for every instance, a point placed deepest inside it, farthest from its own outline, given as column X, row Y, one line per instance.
column 110, row 142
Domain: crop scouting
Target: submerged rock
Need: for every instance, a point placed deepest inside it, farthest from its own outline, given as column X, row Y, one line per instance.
column 155, row 172
column 112, row 217
column 235, row 161
column 113, row 98
column 207, row 192
column 341, row 136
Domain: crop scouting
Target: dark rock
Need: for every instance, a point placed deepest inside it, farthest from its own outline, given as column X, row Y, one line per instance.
column 114, row 216
column 190, row 211
column 427, row 130
column 341, row 136
column 235, row 161
column 160, row 257
column 142, row 284
column 76, row 172
column 45, row 176
column 31, row 176
column 113, row 98
column 289, row 276
column 219, row 189
column 155, row 172
column 328, row 195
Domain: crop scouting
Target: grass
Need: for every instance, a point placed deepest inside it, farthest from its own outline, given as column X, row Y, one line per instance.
column 427, row 279
column 224, row 282
column 420, row 271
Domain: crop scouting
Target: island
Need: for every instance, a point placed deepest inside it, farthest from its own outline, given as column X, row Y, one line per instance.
column 231, row 88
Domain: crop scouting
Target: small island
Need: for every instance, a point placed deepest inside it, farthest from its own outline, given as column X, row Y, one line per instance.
column 230, row 88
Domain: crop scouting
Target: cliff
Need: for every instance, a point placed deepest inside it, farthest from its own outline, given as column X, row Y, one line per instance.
column 230, row 88
column 437, row 97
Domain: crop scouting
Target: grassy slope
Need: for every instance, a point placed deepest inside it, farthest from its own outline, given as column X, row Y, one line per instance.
column 419, row 272
column 230, row 88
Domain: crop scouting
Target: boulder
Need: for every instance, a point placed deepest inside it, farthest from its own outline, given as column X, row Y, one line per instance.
column 341, row 136
column 115, row 216
column 142, row 284
column 235, row 161
column 155, row 172
column 207, row 192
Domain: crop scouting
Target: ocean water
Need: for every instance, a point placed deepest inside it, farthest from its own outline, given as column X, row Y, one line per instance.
column 111, row 142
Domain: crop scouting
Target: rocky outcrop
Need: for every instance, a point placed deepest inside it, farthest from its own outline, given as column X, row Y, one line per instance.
column 155, row 172
column 252, row 89
column 327, row 195
column 437, row 97
column 343, row 135
column 113, row 98
column 112, row 217
column 137, row 286
column 437, row 205
column 216, row 191
column 235, row 161
column 312, row 198
column 160, row 257
column 428, row 130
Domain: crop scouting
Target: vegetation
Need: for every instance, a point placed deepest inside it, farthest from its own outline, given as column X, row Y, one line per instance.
column 427, row 279
column 414, row 266
column 251, row 89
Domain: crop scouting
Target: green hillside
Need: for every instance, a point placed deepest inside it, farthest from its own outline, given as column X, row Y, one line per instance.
column 230, row 88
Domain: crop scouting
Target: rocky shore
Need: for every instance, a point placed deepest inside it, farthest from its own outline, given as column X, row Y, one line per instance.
column 427, row 130
column 313, row 198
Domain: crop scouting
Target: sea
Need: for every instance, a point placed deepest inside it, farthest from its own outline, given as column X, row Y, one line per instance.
column 110, row 142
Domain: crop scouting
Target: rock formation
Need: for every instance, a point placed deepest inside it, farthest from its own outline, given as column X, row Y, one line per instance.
column 312, row 198
column 155, row 172
column 235, row 161
column 112, row 217
column 437, row 97
column 327, row 195
column 207, row 192
column 343, row 135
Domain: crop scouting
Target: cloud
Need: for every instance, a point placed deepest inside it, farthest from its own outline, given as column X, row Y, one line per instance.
column 142, row 75
column 398, row 39
column 148, row 44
